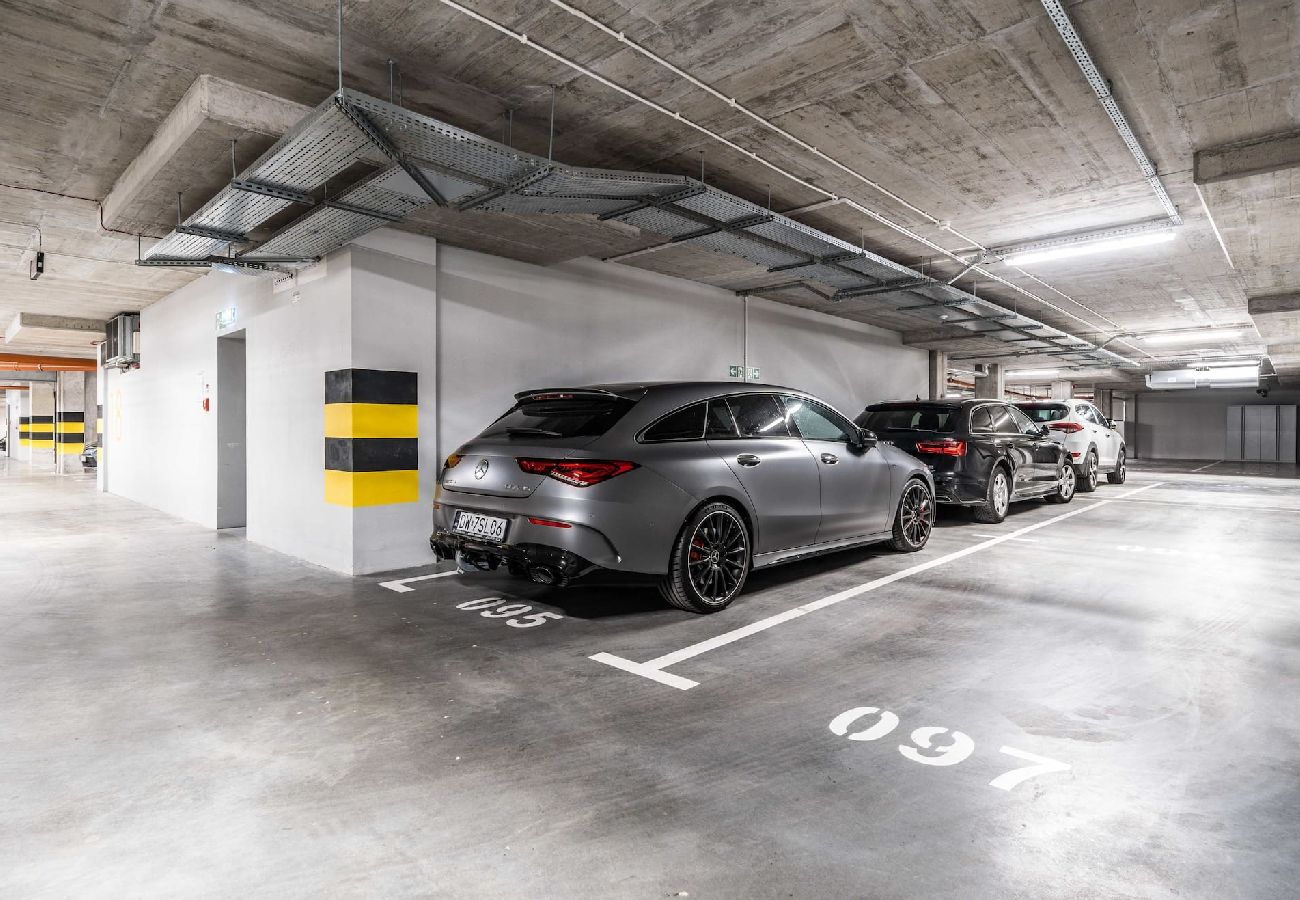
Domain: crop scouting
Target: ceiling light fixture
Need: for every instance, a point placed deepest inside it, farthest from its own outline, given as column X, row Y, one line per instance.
column 1188, row 337
column 1033, row 373
column 1121, row 243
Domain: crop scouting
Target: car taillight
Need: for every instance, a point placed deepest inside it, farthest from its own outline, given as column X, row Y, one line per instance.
column 452, row 461
column 1068, row 427
column 550, row 523
column 577, row 472
column 945, row 447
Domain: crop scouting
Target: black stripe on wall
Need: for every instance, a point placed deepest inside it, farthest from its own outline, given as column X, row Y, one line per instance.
column 70, row 437
column 370, row 386
column 24, row 420
column 42, row 420
column 72, row 417
column 372, row 454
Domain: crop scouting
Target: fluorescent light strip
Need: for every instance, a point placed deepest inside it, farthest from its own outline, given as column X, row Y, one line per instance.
column 1190, row 337
column 1087, row 249
column 1033, row 373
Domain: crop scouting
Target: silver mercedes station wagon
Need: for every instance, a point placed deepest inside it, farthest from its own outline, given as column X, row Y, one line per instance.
column 697, row 483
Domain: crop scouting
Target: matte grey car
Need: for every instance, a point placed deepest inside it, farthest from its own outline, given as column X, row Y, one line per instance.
column 697, row 483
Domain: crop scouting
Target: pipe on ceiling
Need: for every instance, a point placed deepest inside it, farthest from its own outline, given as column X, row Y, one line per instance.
column 18, row 362
column 870, row 213
column 15, row 387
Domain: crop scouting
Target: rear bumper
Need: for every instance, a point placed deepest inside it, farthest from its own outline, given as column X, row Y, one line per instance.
column 952, row 489
column 544, row 564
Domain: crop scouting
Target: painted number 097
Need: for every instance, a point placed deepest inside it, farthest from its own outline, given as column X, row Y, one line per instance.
column 934, row 745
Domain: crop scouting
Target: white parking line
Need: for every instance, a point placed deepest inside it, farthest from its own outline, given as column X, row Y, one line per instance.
column 1203, row 468
column 653, row 669
column 1021, row 540
column 400, row 585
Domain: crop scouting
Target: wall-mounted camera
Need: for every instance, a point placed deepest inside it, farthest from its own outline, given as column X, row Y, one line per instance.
column 1263, row 392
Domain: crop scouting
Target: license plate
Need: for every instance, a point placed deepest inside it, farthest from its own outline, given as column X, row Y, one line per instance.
column 477, row 525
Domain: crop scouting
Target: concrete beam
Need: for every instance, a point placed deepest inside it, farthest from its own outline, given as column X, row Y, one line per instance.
column 68, row 333
column 208, row 100
column 1244, row 158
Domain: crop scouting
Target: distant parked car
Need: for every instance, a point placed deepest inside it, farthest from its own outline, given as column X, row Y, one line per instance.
column 985, row 454
column 1093, row 442
column 90, row 456
column 696, row 483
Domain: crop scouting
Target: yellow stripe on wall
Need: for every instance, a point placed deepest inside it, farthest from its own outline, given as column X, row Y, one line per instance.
column 371, row 488
column 41, row 445
column 71, row 449
column 369, row 420
column 69, row 427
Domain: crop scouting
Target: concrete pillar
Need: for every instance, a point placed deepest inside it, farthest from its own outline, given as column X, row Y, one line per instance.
column 938, row 374
column 1104, row 400
column 70, row 422
column 990, row 386
column 1062, row 390
column 40, row 426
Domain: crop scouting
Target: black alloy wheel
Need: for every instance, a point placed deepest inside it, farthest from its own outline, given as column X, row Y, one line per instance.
column 1121, row 469
column 710, row 561
column 915, row 518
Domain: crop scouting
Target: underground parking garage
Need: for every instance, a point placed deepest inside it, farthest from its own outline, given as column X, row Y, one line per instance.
column 665, row 449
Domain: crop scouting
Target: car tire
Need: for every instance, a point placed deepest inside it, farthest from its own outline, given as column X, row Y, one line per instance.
column 1087, row 481
column 1069, row 481
column 914, row 518
column 1120, row 475
column 997, row 497
column 710, row 560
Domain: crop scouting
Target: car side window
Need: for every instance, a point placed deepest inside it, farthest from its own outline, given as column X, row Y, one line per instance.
column 720, row 424
column 981, row 421
column 1023, row 422
column 759, row 416
column 815, row 422
column 1002, row 421
column 686, row 424
column 1085, row 413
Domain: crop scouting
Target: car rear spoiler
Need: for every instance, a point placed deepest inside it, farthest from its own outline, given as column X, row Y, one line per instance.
column 564, row 393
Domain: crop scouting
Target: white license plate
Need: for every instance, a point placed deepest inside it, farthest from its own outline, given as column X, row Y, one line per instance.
column 477, row 525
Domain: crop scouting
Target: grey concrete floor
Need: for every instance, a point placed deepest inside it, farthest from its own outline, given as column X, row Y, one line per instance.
column 187, row 714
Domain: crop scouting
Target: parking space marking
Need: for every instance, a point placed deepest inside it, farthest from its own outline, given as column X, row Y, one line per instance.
column 1021, row 540
column 1203, row 468
column 653, row 669
column 401, row 584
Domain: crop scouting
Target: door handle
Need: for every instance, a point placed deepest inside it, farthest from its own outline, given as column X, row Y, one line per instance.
column 830, row 459
column 748, row 459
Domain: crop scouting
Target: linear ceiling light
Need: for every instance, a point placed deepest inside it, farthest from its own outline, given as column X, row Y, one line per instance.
column 1136, row 240
column 1189, row 337
column 1033, row 373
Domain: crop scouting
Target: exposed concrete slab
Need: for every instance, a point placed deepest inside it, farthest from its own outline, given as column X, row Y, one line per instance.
column 1258, row 157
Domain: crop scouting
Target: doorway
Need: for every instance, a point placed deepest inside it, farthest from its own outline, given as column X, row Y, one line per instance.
column 232, row 431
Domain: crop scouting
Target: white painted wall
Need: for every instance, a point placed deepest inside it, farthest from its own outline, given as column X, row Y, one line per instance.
column 1192, row 424
column 476, row 329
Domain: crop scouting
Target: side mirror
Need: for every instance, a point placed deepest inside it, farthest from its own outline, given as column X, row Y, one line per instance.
column 1110, row 423
column 866, row 439
column 1044, row 431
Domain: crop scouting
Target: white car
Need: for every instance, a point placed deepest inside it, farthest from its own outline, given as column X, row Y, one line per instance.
column 1092, row 440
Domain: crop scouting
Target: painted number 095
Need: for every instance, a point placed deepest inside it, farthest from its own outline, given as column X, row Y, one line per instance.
column 517, row 615
column 934, row 745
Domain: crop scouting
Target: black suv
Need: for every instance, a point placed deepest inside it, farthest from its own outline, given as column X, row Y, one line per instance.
column 984, row 454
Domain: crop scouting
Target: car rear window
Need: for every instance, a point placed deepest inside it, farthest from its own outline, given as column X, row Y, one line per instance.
column 939, row 419
column 560, row 416
column 1044, row 412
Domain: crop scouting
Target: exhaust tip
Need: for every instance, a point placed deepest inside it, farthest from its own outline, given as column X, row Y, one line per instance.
column 542, row 575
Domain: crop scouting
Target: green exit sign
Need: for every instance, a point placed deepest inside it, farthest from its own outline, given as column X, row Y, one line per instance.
column 748, row 374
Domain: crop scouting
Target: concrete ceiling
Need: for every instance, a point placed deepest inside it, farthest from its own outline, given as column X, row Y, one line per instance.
column 972, row 110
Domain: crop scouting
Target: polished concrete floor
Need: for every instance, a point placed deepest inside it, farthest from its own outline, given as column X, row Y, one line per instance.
column 186, row 714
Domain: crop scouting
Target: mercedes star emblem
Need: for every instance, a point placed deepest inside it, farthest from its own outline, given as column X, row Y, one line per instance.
column 481, row 469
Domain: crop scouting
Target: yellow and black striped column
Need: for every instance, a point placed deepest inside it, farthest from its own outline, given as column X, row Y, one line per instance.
column 40, row 432
column 24, row 431
column 70, row 433
column 371, row 437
